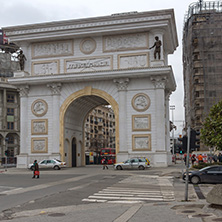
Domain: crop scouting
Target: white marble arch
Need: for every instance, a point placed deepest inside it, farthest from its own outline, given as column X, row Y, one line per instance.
column 105, row 60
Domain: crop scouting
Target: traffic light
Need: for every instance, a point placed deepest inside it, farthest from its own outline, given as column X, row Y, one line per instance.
column 183, row 148
column 6, row 152
column 193, row 140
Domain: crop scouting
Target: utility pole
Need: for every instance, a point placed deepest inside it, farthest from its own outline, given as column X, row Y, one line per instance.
column 6, row 153
column 173, row 108
column 187, row 164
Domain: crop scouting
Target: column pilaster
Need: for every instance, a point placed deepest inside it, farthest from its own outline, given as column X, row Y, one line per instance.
column 55, row 89
column 122, row 85
column 24, row 143
column 159, row 84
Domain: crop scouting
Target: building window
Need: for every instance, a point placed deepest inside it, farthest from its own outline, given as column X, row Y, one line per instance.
column 10, row 140
column 10, row 115
column 197, row 94
column 10, row 98
column 195, row 70
column 212, row 93
column 10, row 125
column 10, row 112
column 195, row 57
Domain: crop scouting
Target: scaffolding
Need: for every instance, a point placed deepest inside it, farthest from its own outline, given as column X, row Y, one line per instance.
column 202, row 60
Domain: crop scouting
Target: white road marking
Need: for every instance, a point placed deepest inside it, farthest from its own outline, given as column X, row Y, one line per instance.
column 116, row 194
column 43, row 186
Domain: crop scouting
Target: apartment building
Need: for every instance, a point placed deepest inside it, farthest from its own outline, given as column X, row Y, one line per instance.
column 9, row 111
column 100, row 129
column 202, row 61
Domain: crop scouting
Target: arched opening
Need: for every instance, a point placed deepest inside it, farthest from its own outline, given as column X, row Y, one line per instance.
column 74, row 152
column 73, row 114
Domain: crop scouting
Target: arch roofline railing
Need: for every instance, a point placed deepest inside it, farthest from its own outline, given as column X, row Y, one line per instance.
column 203, row 7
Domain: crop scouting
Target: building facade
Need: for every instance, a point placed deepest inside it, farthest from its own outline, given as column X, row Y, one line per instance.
column 9, row 121
column 202, row 61
column 9, row 112
column 75, row 66
column 100, row 129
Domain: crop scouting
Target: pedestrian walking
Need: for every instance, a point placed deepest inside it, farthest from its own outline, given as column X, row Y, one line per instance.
column 185, row 158
column 193, row 159
column 220, row 157
column 215, row 158
column 105, row 162
column 35, row 169
column 200, row 158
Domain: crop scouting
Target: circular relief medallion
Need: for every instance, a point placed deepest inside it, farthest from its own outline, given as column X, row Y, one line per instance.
column 39, row 107
column 141, row 102
column 88, row 45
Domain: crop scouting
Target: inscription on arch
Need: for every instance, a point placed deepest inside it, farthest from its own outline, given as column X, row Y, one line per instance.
column 125, row 42
column 51, row 49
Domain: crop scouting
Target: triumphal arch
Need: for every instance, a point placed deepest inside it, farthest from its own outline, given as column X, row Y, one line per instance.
column 74, row 66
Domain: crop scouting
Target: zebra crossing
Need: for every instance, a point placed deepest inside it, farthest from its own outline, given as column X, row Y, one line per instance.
column 136, row 189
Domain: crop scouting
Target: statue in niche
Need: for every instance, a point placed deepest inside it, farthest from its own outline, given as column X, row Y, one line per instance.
column 157, row 46
column 21, row 57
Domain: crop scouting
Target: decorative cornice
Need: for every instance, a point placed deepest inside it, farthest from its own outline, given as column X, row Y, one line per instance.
column 86, row 23
column 55, row 88
column 121, row 84
column 108, row 75
column 159, row 81
column 23, row 91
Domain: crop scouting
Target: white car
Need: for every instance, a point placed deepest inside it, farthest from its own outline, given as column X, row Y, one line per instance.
column 49, row 163
column 133, row 163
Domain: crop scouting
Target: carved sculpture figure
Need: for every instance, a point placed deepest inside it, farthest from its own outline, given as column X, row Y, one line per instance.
column 21, row 57
column 157, row 46
column 141, row 102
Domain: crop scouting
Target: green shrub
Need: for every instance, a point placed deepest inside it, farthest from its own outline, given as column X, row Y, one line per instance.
column 202, row 165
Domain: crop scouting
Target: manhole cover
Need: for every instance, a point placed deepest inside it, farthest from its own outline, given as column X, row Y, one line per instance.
column 188, row 211
column 56, row 215
column 217, row 219
column 202, row 215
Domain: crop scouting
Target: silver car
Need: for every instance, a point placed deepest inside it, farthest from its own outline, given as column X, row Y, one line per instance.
column 49, row 163
column 133, row 163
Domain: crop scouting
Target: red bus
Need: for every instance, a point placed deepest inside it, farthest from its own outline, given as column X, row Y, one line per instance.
column 110, row 154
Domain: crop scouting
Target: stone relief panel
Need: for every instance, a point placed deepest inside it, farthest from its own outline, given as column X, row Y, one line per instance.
column 133, row 61
column 125, row 42
column 87, row 45
column 39, row 127
column 52, row 49
column 45, row 67
column 141, row 102
column 142, row 142
column 39, row 145
column 39, row 107
column 141, row 122
column 89, row 64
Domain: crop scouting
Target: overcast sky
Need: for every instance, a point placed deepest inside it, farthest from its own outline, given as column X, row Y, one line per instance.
column 20, row 12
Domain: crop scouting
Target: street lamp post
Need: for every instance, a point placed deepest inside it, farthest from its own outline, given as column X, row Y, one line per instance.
column 6, row 153
column 173, row 108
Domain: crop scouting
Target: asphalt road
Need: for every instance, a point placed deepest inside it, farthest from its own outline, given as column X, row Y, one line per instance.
column 89, row 192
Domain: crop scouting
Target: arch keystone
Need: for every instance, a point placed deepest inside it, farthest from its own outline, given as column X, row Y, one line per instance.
column 88, row 90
